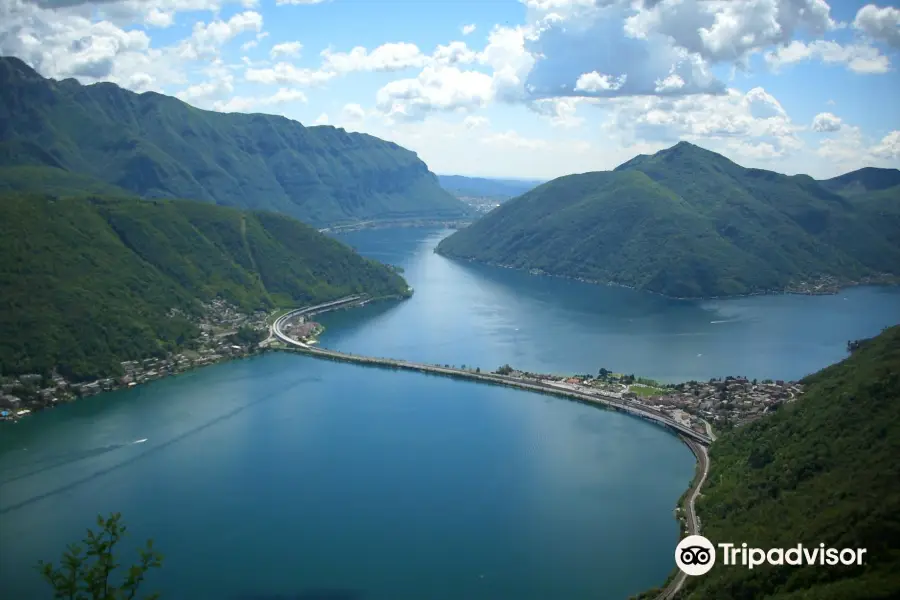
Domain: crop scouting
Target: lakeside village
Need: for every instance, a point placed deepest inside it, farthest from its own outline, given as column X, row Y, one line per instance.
column 724, row 402
column 226, row 333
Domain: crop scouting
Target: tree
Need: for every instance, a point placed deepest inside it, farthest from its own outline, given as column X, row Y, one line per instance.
column 603, row 373
column 86, row 575
column 478, row 369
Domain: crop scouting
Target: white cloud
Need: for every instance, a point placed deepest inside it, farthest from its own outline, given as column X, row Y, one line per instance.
column 888, row 147
column 321, row 119
column 859, row 58
column 598, row 82
column 435, row 89
column 158, row 18
column 286, row 73
column 672, row 82
column 561, row 112
column 826, row 122
column 475, row 122
column 281, row 2
column 214, row 87
column 207, row 38
column 247, row 103
column 387, row 57
column 353, row 112
column 511, row 139
column 725, row 30
column 467, row 29
column 286, row 49
column 454, row 53
column 850, row 149
column 881, row 24
column 511, row 61
column 249, row 45
column 751, row 124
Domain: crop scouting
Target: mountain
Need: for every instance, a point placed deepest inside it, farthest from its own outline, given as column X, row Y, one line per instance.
column 156, row 146
column 869, row 179
column 822, row 469
column 480, row 187
column 88, row 282
column 687, row 222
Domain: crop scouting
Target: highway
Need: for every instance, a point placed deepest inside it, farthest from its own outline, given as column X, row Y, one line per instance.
column 544, row 387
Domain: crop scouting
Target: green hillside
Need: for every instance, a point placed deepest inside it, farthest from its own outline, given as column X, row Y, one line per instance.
column 686, row 222
column 868, row 179
column 156, row 146
column 88, row 282
column 822, row 469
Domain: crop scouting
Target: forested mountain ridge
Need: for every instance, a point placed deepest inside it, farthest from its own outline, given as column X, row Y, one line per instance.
column 157, row 146
column 822, row 469
column 687, row 222
column 88, row 282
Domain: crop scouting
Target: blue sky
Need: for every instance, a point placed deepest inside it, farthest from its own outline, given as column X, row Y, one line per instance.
column 509, row 88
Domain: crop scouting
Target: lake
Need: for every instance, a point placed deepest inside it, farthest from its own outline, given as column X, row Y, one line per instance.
column 286, row 476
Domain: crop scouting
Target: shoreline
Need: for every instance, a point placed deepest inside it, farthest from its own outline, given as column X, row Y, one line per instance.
column 833, row 289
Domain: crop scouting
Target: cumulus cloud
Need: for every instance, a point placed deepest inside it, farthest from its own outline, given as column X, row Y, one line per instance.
column 435, row 89
column 753, row 121
column 247, row 103
column 321, row 119
column 881, row 24
column 281, row 2
column 207, row 38
column 467, row 29
column 286, row 73
column 597, row 82
column 475, row 122
column 859, row 58
column 353, row 112
column 387, row 57
column 888, row 147
column 826, row 123
column 286, row 49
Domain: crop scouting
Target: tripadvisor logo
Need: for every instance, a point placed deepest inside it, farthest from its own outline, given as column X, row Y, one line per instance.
column 696, row 555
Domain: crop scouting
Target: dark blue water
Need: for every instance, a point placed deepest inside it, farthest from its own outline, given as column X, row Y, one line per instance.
column 287, row 475
column 464, row 313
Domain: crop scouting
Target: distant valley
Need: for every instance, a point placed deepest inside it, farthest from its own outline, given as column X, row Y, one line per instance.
column 485, row 194
column 689, row 223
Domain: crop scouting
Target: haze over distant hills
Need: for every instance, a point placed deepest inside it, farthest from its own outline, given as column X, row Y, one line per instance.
column 484, row 187
column 157, row 146
column 687, row 222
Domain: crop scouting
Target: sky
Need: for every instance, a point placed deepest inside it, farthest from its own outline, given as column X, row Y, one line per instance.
column 509, row 88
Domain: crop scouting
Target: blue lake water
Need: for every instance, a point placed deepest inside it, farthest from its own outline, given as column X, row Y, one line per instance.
column 284, row 475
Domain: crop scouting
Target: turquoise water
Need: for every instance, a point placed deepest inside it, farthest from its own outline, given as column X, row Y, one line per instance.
column 286, row 476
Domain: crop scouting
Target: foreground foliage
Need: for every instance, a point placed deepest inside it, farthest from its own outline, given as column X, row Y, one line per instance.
column 86, row 283
column 157, row 146
column 86, row 573
column 687, row 222
column 822, row 469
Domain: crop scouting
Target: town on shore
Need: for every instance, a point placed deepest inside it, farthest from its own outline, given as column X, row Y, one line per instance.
column 227, row 333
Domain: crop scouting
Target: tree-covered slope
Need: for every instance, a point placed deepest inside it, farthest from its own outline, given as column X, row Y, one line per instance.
column 684, row 222
column 823, row 469
column 88, row 282
column 157, row 146
column 868, row 179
